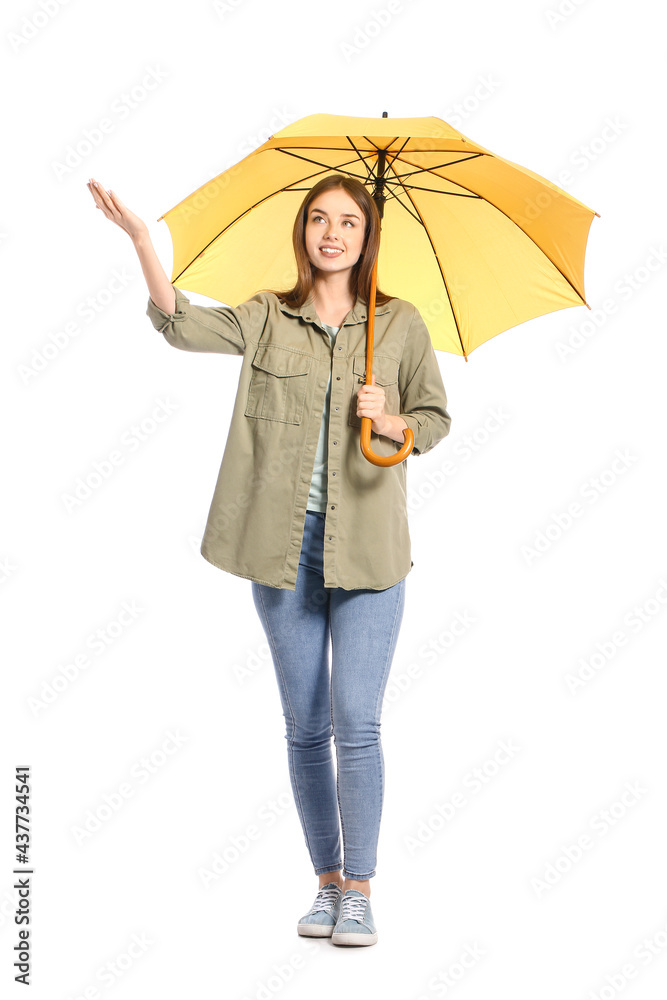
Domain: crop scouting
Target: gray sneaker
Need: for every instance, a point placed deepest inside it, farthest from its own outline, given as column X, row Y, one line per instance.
column 323, row 914
column 355, row 924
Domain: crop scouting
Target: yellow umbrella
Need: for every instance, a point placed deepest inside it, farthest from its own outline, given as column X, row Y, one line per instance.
column 477, row 243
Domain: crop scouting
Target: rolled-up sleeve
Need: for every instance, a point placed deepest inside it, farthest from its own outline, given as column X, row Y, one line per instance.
column 423, row 396
column 210, row 329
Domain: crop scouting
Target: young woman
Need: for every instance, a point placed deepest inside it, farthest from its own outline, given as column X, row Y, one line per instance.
column 321, row 533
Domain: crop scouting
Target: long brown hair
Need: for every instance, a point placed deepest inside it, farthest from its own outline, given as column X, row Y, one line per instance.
column 360, row 275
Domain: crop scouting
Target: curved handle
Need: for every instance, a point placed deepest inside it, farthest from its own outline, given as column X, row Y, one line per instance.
column 375, row 459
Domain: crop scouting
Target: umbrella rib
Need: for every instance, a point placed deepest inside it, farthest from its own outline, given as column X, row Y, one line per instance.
column 442, row 273
column 396, row 155
column 364, row 162
column 288, row 187
column 376, row 148
column 439, row 166
column 307, row 159
column 382, row 149
column 451, row 194
column 369, row 171
column 393, row 194
column 392, row 185
column 514, row 223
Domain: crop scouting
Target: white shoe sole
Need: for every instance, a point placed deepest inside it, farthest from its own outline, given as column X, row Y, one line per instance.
column 315, row 930
column 349, row 937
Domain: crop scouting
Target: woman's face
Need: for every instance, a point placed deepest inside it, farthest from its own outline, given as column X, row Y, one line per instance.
column 334, row 221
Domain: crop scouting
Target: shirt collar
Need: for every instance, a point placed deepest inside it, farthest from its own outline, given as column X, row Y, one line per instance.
column 357, row 314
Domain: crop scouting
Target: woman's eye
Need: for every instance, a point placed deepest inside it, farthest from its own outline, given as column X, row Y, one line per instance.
column 316, row 218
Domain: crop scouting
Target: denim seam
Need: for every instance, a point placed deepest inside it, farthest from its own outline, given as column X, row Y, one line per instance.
column 390, row 655
column 330, row 638
column 340, row 811
column 289, row 746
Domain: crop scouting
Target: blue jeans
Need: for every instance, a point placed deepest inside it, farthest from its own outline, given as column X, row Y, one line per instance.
column 345, row 703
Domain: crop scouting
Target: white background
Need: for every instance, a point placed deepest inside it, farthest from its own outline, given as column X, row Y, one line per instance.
column 541, row 89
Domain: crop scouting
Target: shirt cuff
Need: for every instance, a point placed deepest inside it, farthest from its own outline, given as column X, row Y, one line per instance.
column 161, row 319
column 422, row 428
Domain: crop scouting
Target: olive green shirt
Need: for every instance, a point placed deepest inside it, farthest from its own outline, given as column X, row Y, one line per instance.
column 256, row 518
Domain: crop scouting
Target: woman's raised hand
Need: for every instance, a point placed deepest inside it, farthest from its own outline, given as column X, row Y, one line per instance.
column 160, row 288
column 115, row 210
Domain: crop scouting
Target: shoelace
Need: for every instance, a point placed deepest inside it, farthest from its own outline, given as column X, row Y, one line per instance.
column 325, row 899
column 353, row 908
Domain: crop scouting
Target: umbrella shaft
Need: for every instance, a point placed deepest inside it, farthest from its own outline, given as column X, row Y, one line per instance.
column 378, row 190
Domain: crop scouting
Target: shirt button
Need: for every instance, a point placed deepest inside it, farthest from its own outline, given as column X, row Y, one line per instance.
column 338, row 378
column 333, row 473
column 335, row 442
column 323, row 384
column 335, row 407
column 340, row 348
column 329, row 537
column 333, row 506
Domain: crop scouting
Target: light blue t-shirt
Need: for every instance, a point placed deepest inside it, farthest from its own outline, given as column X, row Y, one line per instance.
column 317, row 498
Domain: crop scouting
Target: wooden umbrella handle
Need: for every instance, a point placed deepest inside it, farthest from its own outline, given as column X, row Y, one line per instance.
column 365, row 439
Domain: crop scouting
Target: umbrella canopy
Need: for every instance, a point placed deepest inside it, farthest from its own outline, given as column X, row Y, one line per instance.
column 479, row 244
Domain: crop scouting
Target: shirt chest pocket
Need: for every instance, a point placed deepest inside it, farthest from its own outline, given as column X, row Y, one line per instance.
column 278, row 384
column 385, row 370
